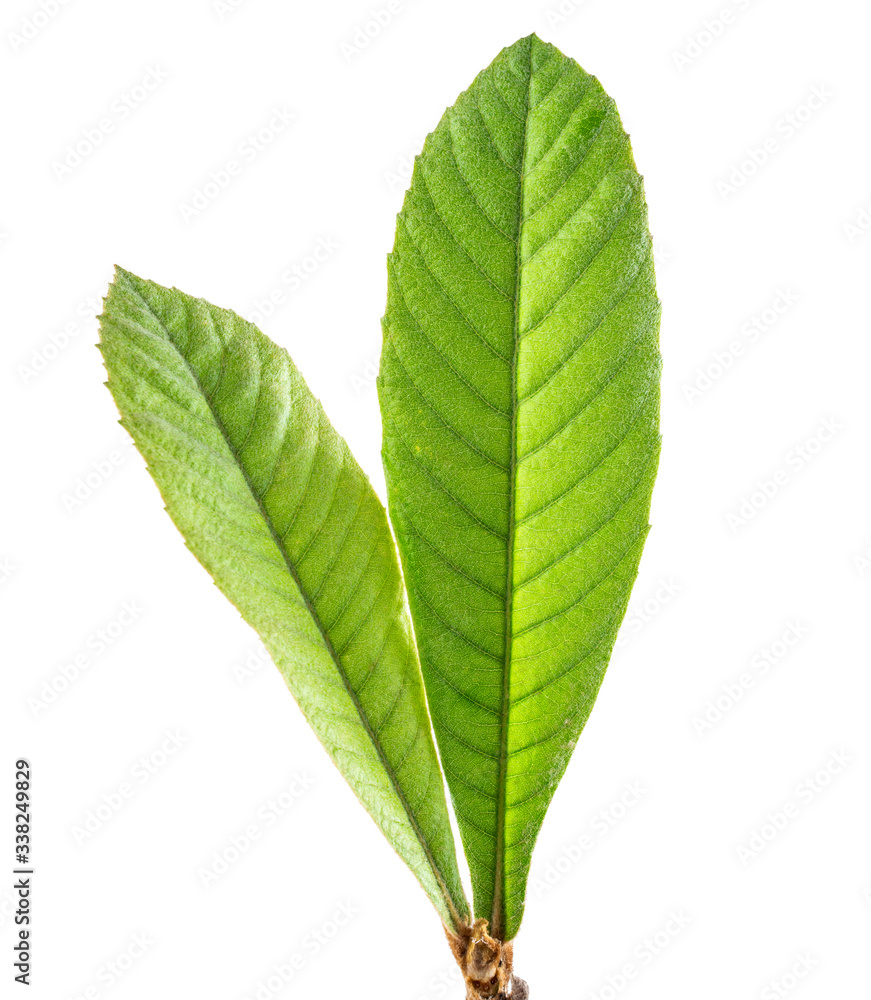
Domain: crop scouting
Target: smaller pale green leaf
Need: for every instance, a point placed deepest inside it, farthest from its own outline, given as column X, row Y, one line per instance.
column 271, row 502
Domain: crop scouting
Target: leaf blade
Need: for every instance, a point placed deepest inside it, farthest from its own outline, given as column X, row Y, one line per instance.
column 271, row 502
column 519, row 388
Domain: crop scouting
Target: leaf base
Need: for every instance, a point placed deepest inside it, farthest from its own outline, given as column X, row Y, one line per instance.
column 487, row 964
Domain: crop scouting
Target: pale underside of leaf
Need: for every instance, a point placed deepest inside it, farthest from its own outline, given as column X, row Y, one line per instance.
column 269, row 499
column 520, row 390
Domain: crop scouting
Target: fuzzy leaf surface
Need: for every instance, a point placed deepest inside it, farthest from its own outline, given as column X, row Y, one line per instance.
column 519, row 386
column 271, row 502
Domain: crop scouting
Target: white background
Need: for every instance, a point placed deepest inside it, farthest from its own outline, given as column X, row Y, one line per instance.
column 713, row 595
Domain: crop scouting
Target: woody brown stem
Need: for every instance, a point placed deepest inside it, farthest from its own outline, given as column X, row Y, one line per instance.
column 486, row 964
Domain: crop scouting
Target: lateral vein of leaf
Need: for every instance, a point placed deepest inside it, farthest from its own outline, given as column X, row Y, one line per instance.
column 326, row 513
column 421, row 464
column 325, row 576
column 426, row 266
column 468, row 746
column 304, row 492
column 424, row 792
column 490, row 137
column 223, row 360
column 365, row 618
column 276, row 465
column 579, row 101
column 469, row 385
column 488, row 78
column 155, row 369
column 195, row 444
column 575, row 711
column 478, row 791
column 602, row 638
column 576, row 483
column 401, row 763
column 575, row 214
column 480, row 829
column 255, row 408
column 226, row 541
column 585, row 269
column 449, row 563
column 445, row 422
column 529, row 169
column 291, row 569
column 595, row 531
column 526, row 81
column 578, row 346
column 467, row 185
column 454, row 238
column 449, row 683
column 589, row 402
column 576, row 602
column 355, row 589
column 540, row 789
column 399, row 693
column 469, row 642
column 573, row 171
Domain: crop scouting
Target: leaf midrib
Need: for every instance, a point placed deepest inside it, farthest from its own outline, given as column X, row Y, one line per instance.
column 497, row 917
column 291, row 568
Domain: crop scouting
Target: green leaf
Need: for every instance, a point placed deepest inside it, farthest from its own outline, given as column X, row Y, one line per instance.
column 520, row 391
column 271, row 502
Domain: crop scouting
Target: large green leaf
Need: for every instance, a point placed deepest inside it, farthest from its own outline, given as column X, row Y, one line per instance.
column 271, row 502
column 520, row 391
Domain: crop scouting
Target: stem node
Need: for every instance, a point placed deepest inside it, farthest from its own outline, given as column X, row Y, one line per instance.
column 487, row 964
